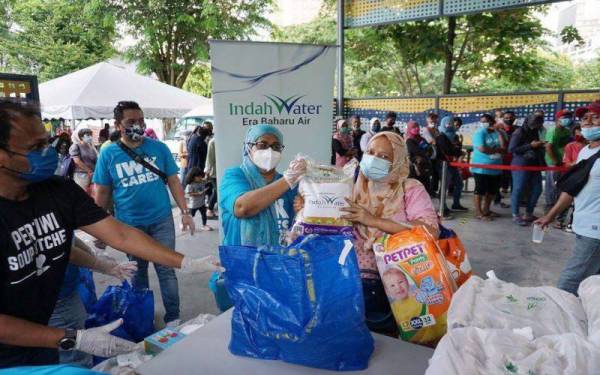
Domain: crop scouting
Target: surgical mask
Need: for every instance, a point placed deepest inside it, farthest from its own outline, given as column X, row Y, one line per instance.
column 344, row 130
column 42, row 164
column 267, row 160
column 376, row 128
column 374, row 168
column 431, row 125
column 484, row 125
column 591, row 134
column 88, row 139
column 509, row 122
column 566, row 121
column 134, row 133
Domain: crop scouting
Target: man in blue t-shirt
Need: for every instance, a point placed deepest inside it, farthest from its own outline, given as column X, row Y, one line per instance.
column 140, row 194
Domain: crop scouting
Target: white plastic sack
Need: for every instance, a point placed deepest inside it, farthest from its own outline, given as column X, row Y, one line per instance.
column 475, row 351
column 493, row 303
column 589, row 294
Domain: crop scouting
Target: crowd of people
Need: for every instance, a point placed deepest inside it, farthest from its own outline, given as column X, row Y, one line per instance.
column 132, row 174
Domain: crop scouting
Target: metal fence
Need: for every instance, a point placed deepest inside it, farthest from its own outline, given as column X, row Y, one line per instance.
column 469, row 107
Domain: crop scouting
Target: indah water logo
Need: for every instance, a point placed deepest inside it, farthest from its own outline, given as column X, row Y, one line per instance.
column 275, row 105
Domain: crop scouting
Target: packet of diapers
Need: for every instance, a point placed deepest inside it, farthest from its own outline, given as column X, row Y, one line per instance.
column 324, row 189
column 417, row 283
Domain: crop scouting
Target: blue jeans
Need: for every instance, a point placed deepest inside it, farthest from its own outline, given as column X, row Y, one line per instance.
column 70, row 313
column 550, row 191
column 453, row 178
column 522, row 179
column 164, row 233
column 584, row 262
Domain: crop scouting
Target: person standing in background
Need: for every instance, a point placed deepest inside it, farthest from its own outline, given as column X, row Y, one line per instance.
column 557, row 139
column 389, row 122
column 84, row 156
column 527, row 150
column 211, row 174
column 104, row 134
column 183, row 154
column 419, row 155
column 449, row 150
column 487, row 149
column 357, row 134
column 430, row 133
column 374, row 128
column 342, row 144
column 197, row 148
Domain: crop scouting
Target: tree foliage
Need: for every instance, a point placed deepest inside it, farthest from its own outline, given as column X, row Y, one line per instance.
column 172, row 35
column 51, row 38
column 199, row 81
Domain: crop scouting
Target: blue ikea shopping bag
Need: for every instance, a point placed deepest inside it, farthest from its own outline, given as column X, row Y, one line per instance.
column 302, row 304
column 87, row 289
column 135, row 306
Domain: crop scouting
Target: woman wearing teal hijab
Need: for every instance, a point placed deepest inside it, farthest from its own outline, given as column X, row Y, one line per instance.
column 449, row 149
column 256, row 201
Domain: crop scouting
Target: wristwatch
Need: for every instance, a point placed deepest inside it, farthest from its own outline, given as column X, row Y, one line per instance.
column 69, row 340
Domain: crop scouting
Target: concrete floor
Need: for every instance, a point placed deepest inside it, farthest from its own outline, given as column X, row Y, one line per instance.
column 499, row 245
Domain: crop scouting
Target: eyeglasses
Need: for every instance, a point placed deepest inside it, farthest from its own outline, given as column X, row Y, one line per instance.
column 264, row 145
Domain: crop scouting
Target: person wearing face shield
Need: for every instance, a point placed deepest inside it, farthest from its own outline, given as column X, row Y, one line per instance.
column 527, row 150
column 84, row 156
column 38, row 215
column 585, row 260
column 385, row 201
column 256, row 200
column 139, row 172
column 557, row 139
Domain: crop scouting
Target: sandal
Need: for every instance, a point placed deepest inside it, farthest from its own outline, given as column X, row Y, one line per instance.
column 491, row 214
column 484, row 218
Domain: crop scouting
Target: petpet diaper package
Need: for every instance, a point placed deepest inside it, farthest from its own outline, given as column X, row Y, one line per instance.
column 417, row 283
column 324, row 190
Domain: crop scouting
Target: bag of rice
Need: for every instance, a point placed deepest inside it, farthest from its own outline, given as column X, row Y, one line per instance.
column 324, row 189
column 417, row 283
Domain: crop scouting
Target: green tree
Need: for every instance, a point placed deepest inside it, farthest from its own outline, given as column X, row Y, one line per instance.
column 199, row 81
column 172, row 35
column 51, row 38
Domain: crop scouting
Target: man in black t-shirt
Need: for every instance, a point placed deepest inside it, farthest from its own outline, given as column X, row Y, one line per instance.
column 38, row 214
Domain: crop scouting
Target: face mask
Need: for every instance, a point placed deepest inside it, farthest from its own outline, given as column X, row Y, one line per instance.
column 431, row 125
column 566, row 122
column 450, row 129
column 134, row 133
column 344, row 130
column 415, row 131
column 484, row 125
column 509, row 122
column 376, row 128
column 591, row 134
column 374, row 168
column 267, row 160
column 42, row 164
column 88, row 139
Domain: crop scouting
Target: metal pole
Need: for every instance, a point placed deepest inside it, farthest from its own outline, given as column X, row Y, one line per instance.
column 443, row 188
column 340, row 58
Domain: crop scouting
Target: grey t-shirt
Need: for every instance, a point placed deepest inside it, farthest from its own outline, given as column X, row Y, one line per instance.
column 87, row 153
column 196, row 201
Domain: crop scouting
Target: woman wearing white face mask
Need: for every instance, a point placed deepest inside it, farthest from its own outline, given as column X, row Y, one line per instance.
column 384, row 201
column 256, row 201
column 84, row 156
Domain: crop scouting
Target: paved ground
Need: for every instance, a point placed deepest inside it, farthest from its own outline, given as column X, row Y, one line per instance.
column 499, row 245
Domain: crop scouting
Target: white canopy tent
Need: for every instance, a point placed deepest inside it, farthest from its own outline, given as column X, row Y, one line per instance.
column 205, row 109
column 94, row 91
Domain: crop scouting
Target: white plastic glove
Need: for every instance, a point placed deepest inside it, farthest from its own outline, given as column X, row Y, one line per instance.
column 99, row 342
column 205, row 264
column 295, row 171
column 111, row 267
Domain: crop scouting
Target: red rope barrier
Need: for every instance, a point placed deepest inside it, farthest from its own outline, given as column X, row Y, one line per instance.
column 509, row 167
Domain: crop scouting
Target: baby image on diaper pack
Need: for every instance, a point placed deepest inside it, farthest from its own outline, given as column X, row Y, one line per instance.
column 417, row 284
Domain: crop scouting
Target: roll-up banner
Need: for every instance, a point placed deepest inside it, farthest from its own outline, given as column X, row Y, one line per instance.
column 286, row 85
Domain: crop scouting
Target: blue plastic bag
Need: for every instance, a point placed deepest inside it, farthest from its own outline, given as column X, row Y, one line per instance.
column 87, row 289
column 135, row 306
column 302, row 304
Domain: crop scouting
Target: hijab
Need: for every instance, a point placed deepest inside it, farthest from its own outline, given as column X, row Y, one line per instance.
column 383, row 198
column 449, row 132
column 261, row 229
column 345, row 139
column 371, row 123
